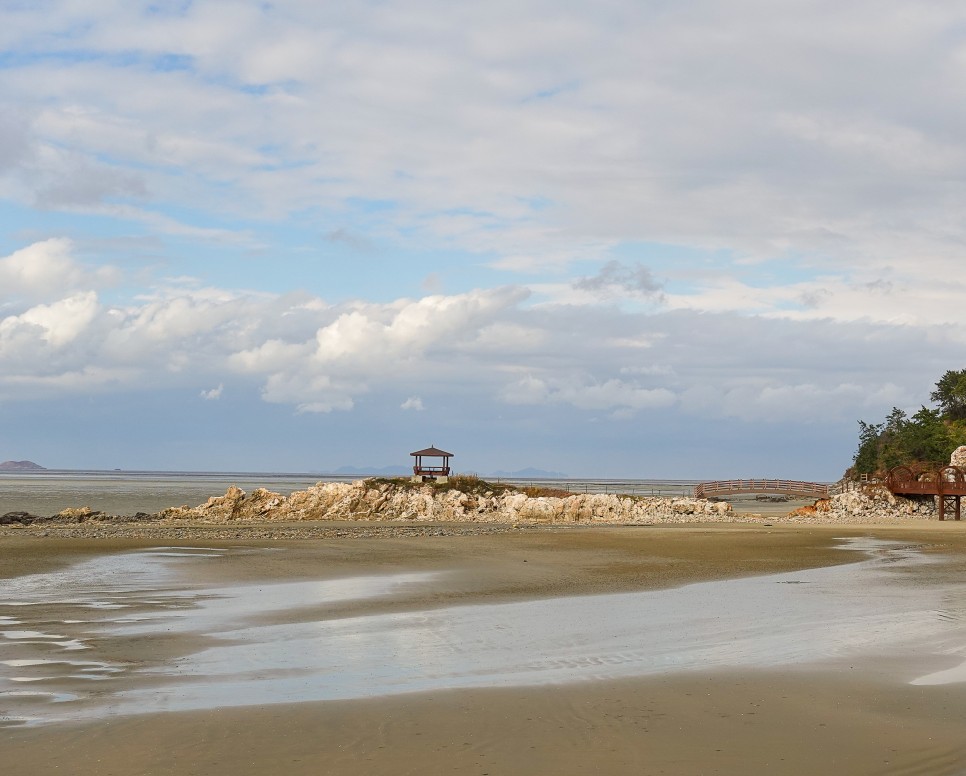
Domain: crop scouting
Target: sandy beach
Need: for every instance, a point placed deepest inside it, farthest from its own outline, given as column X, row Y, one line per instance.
column 833, row 715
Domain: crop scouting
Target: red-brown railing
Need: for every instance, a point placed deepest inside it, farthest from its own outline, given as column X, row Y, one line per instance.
column 947, row 481
column 786, row 487
column 948, row 484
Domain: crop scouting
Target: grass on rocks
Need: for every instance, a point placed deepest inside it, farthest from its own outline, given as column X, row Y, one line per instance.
column 473, row 486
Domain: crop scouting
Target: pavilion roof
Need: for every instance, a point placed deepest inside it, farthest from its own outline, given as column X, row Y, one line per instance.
column 433, row 452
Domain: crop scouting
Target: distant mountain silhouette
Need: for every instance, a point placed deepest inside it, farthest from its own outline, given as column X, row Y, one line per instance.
column 21, row 466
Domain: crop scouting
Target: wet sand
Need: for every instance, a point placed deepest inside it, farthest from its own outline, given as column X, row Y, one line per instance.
column 833, row 718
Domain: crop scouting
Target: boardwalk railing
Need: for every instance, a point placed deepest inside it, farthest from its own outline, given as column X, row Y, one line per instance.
column 786, row 487
column 947, row 481
column 947, row 484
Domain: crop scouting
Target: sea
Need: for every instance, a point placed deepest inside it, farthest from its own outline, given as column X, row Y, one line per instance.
column 129, row 492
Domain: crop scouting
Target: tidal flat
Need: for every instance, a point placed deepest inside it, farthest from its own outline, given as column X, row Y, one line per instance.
column 661, row 649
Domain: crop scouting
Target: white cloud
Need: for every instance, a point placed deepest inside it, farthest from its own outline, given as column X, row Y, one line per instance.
column 39, row 269
column 214, row 394
column 311, row 392
column 413, row 403
column 57, row 324
column 486, row 349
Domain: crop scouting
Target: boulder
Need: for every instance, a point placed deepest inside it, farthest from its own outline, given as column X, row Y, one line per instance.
column 77, row 514
column 18, row 518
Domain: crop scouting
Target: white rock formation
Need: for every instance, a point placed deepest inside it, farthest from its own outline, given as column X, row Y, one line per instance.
column 364, row 500
column 871, row 503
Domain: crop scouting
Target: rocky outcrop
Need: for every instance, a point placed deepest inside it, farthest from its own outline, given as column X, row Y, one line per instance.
column 18, row 518
column 381, row 501
column 872, row 503
column 77, row 514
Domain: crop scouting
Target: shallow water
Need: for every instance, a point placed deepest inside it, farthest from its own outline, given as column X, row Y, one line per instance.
column 126, row 493
column 863, row 609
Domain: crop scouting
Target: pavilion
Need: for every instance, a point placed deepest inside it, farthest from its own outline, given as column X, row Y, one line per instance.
column 426, row 473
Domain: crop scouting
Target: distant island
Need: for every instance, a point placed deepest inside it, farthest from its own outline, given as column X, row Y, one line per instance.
column 21, row 466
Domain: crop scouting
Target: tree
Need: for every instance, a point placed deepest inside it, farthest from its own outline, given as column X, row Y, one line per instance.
column 867, row 456
column 927, row 438
column 950, row 395
column 892, row 449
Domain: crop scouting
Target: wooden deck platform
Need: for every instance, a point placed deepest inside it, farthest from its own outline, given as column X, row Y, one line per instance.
column 947, row 484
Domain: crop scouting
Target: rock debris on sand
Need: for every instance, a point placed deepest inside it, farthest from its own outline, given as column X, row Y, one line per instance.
column 871, row 503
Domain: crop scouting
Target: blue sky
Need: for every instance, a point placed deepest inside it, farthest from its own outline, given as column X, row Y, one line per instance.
column 609, row 239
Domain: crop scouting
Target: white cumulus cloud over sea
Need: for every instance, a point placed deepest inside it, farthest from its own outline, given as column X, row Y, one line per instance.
column 494, row 344
column 629, row 236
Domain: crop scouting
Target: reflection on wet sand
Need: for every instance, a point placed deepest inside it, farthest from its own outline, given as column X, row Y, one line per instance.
column 244, row 657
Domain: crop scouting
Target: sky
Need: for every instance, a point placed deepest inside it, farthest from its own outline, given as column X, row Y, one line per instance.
column 638, row 238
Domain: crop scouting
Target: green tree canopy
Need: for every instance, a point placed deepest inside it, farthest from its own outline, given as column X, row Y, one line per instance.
column 950, row 395
column 926, row 438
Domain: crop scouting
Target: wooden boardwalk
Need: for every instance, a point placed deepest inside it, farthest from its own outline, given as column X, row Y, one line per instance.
column 947, row 484
column 785, row 487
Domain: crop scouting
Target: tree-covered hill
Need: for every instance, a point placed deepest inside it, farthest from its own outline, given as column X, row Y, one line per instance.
column 923, row 440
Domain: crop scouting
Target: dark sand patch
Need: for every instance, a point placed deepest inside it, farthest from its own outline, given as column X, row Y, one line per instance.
column 761, row 722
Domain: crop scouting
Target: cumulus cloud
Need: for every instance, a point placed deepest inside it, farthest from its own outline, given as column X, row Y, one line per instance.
column 490, row 348
column 61, row 322
column 40, row 269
